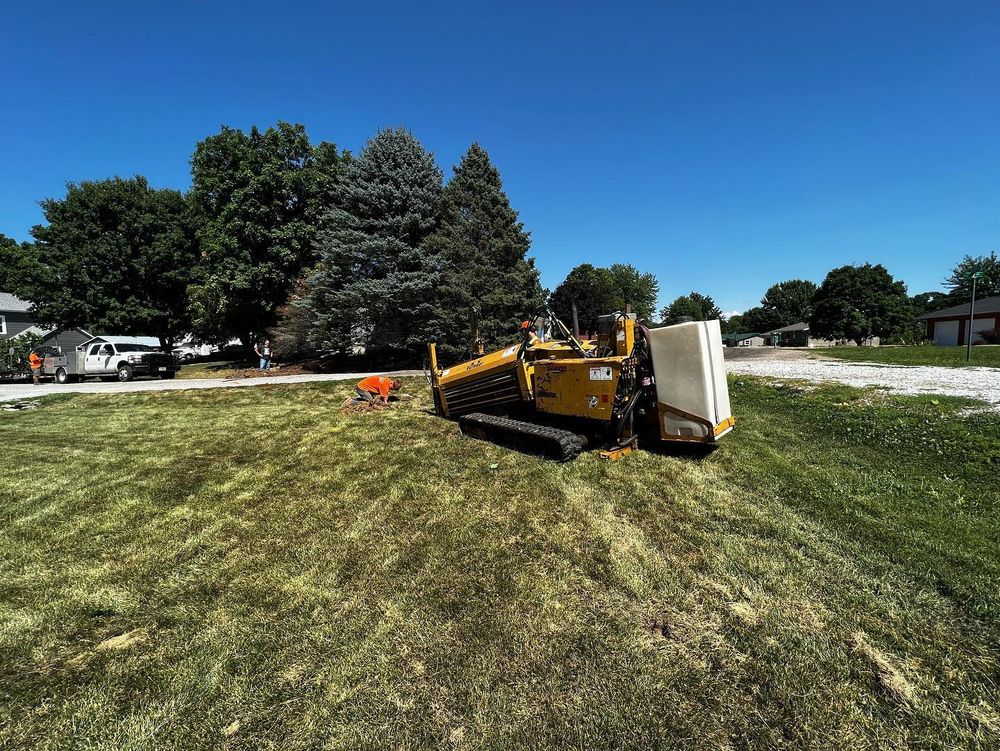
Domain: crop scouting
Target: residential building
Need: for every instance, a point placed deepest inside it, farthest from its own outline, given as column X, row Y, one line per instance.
column 15, row 318
column 949, row 327
column 750, row 339
column 797, row 335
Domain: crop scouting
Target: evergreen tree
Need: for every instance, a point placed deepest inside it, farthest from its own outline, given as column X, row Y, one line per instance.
column 375, row 282
column 488, row 284
column 258, row 197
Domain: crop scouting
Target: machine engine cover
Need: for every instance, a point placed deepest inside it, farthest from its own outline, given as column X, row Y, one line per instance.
column 577, row 387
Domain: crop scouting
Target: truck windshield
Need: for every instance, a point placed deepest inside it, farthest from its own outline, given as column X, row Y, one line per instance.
column 135, row 348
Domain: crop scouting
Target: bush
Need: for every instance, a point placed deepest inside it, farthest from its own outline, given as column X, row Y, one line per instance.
column 14, row 354
column 991, row 336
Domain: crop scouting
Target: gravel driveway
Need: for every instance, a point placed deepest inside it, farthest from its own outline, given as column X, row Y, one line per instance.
column 21, row 391
column 976, row 383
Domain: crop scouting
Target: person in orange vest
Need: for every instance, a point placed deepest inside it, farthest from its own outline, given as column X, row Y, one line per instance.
column 529, row 333
column 35, row 363
column 374, row 387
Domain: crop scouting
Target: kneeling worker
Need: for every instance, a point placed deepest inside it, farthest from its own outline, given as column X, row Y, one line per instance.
column 373, row 387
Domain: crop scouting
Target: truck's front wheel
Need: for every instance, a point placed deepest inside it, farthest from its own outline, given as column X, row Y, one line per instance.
column 125, row 373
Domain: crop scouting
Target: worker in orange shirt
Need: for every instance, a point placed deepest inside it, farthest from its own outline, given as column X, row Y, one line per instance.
column 35, row 363
column 374, row 387
column 529, row 334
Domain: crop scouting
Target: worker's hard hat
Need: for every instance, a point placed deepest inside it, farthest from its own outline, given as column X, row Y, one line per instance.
column 525, row 324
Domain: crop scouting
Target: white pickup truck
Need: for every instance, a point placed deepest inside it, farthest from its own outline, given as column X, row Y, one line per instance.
column 122, row 359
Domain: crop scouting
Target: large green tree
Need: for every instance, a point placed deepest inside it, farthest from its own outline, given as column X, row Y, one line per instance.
column 636, row 288
column 593, row 291
column 857, row 302
column 115, row 256
column 258, row 198
column 20, row 272
column 696, row 306
column 959, row 281
column 487, row 283
column 788, row 302
column 375, row 281
column 599, row 291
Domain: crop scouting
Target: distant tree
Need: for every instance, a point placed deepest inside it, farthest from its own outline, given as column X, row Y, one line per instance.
column 258, row 198
column 759, row 320
column 635, row 288
column 116, row 256
column 857, row 302
column 753, row 320
column 788, row 302
column 487, row 281
column 20, row 272
column 959, row 281
column 696, row 306
column 375, row 282
column 927, row 302
column 593, row 291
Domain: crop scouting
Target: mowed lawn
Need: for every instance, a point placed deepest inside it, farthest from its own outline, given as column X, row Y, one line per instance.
column 925, row 354
column 249, row 569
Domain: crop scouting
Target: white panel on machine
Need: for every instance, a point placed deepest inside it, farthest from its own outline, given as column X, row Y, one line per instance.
column 691, row 389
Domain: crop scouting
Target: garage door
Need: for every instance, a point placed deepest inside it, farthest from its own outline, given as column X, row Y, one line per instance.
column 946, row 333
column 981, row 324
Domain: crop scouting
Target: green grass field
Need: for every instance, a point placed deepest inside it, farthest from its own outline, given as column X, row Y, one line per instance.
column 214, row 369
column 927, row 354
column 249, row 569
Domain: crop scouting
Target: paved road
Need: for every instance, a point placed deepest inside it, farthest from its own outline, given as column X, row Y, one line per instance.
column 976, row 383
column 23, row 391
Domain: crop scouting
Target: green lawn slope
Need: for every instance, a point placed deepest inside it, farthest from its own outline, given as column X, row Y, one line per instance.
column 250, row 569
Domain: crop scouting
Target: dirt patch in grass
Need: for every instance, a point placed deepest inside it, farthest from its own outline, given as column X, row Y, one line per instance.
column 888, row 674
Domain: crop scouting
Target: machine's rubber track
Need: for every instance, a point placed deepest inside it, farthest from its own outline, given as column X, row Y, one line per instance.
column 552, row 443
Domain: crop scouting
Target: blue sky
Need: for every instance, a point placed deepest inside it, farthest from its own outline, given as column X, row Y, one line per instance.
column 721, row 145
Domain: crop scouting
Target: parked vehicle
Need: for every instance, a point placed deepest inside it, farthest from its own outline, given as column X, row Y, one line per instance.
column 103, row 357
column 188, row 352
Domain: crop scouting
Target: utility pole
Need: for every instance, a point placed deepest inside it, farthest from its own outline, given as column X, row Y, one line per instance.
column 576, row 321
column 972, row 313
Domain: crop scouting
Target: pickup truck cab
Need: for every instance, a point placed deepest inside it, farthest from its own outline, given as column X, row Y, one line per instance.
column 111, row 358
column 127, row 360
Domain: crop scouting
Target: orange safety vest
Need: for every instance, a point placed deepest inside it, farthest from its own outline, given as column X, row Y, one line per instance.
column 34, row 361
column 376, row 385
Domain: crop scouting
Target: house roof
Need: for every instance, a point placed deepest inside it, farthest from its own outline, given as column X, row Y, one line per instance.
column 11, row 304
column 741, row 337
column 149, row 341
column 800, row 326
column 985, row 305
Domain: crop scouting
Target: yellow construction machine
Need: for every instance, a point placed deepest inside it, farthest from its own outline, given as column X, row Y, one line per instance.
column 631, row 384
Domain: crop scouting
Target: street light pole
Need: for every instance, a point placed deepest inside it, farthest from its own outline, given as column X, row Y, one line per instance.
column 972, row 313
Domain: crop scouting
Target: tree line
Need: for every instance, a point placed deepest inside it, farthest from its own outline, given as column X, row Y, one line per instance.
column 327, row 250
column 853, row 302
column 337, row 253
